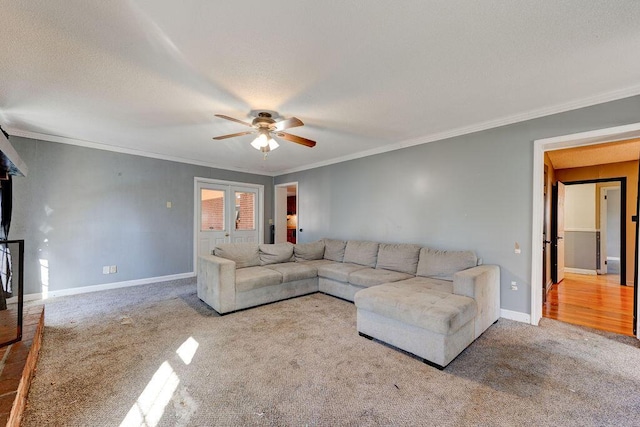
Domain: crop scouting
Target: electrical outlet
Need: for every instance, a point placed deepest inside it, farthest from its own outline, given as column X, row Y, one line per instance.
column 168, row 205
column 105, row 269
column 113, row 269
column 514, row 286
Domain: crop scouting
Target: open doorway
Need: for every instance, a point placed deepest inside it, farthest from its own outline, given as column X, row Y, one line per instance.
column 607, row 153
column 583, row 293
column 595, row 232
column 286, row 213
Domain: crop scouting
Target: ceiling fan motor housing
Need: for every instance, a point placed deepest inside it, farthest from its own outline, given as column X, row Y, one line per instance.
column 263, row 120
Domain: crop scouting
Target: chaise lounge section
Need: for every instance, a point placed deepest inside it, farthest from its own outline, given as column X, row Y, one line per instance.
column 435, row 325
column 430, row 303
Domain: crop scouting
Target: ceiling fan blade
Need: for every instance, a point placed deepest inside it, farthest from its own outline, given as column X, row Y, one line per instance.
column 234, row 135
column 297, row 139
column 286, row 124
column 222, row 116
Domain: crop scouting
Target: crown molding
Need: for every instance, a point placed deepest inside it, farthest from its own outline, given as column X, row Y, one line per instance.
column 124, row 150
column 465, row 130
column 491, row 124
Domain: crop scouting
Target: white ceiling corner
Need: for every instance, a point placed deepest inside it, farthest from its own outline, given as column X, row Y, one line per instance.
column 146, row 77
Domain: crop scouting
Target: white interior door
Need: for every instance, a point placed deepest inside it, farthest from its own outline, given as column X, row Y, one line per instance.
column 226, row 213
column 557, row 233
column 603, row 230
column 560, row 237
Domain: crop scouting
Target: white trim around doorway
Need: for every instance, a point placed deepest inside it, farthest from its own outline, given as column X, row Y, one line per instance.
column 618, row 133
column 276, row 207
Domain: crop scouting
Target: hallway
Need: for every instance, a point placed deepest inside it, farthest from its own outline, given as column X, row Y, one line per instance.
column 595, row 301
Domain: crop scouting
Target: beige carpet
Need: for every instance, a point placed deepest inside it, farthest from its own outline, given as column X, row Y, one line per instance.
column 301, row 362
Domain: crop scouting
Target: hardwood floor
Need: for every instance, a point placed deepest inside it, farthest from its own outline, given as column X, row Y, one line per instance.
column 595, row 301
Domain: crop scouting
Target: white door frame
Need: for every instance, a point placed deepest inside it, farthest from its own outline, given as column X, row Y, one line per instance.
column 196, row 213
column 277, row 207
column 599, row 136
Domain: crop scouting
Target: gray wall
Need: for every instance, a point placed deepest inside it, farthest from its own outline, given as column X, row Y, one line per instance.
column 613, row 222
column 468, row 192
column 581, row 249
column 81, row 208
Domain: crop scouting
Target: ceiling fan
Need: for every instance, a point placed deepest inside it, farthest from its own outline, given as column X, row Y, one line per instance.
column 266, row 127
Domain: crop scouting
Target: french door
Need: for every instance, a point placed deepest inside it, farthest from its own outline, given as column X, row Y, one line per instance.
column 226, row 212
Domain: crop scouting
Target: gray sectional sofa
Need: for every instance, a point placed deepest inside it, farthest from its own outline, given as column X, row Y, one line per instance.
column 430, row 303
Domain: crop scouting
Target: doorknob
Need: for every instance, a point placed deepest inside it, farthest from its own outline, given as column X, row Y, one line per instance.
column 226, row 234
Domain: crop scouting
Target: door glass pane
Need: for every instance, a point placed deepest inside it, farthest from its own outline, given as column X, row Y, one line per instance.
column 211, row 210
column 245, row 211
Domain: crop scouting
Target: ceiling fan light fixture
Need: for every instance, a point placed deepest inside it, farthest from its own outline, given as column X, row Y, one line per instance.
column 264, row 142
column 261, row 140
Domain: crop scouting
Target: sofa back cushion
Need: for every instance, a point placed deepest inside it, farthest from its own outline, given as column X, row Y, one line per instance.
column 244, row 254
column 334, row 249
column 276, row 253
column 398, row 257
column 362, row 253
column 443, row 264
column 309, row 251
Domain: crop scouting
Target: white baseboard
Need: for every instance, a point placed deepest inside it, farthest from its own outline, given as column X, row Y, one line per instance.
column 581, row 271
column 102, row 287
column 515, row 315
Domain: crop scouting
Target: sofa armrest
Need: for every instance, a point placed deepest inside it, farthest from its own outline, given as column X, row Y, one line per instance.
column 217, row 282
column 482, row 283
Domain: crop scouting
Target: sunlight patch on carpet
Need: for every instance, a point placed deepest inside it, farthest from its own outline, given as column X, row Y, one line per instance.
column 187, row 350
column 149, row 408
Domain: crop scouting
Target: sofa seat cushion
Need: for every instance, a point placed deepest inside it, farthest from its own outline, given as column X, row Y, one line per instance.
column 338, row 271
column 416, row 305
column 430, row 283
column 292, row 271
column 250, row 278
column 317, row 262
column 375, row 276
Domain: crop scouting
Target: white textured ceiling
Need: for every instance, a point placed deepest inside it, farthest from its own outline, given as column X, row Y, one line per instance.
column 365, row 76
